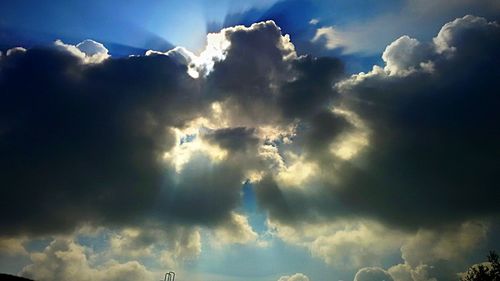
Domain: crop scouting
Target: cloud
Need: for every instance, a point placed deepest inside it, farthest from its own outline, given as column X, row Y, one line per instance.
column 343, row 244
column 425, row 136
column 333, row 39
column 156, row 148
column 295, row 277
column 236, row 231
column 87, row 143
column 65, row 259
column 314, row 21
column 199, row 66
column 418, row 18
column 89, row 51
column 173, row 245
column 372, row 274
column 438, row 255
column 13, row 246
column 350, row 245
column 16, row 50
column 405, row 55
column 427, row 247
column 404, row 272
column 95, row 134
column 234, row 139
column 451, row 34
column 432, row 131
column 183, row 244
column 427, row 121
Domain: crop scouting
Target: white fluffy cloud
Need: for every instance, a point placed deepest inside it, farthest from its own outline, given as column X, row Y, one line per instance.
column 404, row 55
column 333, row 38
column 372, row 274
column 449, row 35
column 217, row 46
column 418, row 18
column 16, row 50
column 88, row 51
column 294, row 277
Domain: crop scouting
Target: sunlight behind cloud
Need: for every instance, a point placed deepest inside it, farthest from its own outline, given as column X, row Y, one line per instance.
column 189, row 141
column 350, row 143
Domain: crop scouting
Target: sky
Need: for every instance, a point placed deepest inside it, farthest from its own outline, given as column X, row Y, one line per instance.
column 263, row 140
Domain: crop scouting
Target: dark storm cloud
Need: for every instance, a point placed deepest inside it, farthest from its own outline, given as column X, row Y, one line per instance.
column 204, row 193
column 261, row 78
column 253, row 70
column 312, row 89
column 321, row 131
column 234, row 139
column 84, row 142
column 433, row 153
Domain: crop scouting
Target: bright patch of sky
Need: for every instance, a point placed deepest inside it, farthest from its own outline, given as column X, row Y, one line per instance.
column 146, row 25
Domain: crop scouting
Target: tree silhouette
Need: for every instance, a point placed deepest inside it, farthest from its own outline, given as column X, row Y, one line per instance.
column 483, row 272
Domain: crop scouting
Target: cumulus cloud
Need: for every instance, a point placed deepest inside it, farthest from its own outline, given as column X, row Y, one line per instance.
column 173, row 245
column 426, row 254
column 405, row 55
column 404, row 272
column 432, row 131
column 451, row 34
column 455, row 243
column 372, row 274
column 295, row 277
column 16, row 50
column 425, row 167
column 236, row 231
column 426, row 124
column 89, row 143
column 156, row 148
column 343, row 244
column 418, row 18
column 88, row 51
column 64, row 259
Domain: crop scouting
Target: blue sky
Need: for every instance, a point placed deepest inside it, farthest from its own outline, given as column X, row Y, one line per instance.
column 131, row 27
column 320, row 140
